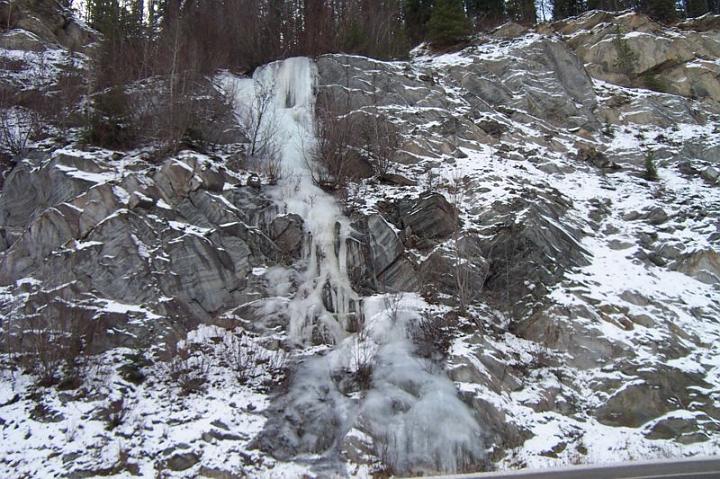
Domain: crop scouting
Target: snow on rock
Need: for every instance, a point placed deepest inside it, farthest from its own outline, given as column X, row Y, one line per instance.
column 528, row 295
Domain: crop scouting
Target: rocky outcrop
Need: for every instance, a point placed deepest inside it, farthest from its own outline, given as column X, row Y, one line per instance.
column 379, row 262
column 47, row 22
column 633, row 50
column 74, row 222
column 553, row 85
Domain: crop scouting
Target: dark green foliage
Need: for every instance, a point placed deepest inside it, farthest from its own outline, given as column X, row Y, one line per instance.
column 522, row 11
column 486, row 13
column 627, row 59
column 568, row 8
column 697, row 8
column 109, row 122
column 651, row 173
column 608, row 5
column 448, row 23
column 417, row 14
column 660, row 10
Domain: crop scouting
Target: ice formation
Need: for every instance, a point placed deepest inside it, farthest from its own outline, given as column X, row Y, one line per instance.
column 412, row 411
column 289, row 121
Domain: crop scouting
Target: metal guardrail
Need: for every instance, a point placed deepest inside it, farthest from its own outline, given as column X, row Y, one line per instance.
column 693, row 468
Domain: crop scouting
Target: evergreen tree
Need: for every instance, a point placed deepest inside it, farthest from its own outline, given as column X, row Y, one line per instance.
column 486, row 13
column 607, row 5
column 697, row 8
column 417, row 13
column 522, row 11
column 103, row 15
column 660, row 10
column 567, row 8
column 448, row 23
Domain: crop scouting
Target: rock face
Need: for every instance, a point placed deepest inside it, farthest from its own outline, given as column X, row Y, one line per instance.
column 633, row 50
column 182, row 250
column 554, row 85
column 380, row 263
column 516, row 247
column 46, row 22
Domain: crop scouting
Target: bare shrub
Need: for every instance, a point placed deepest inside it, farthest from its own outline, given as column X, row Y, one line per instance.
column 431, row 336
column 363, row 356
column 381, row 141
column 242, row 357
column 54, row 348
column 188, row 369
column 114, row 414
column 333, row 161
column 258, row 123
column 18, row 126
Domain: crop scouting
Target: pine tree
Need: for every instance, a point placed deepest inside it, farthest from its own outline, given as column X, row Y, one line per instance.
column 697, row 8
column 607, row 5
column 103, row 15
column 660, row 10
column 448, row 23
column 486, row 13
column 417, row 13
column 522, row 11
column 567, row 8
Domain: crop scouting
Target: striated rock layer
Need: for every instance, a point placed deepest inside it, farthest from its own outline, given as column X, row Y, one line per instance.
column 514, row 290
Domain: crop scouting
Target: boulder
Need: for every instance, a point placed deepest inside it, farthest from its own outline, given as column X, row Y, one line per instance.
column 509, row 30
column 288, row 234
column 181, row 461
column 711, row 174
column 21, row 40
column 632, row 50
column 703, row 265
column 385, row 246
column 430, row 217
column 655, row 392
column 376, row 259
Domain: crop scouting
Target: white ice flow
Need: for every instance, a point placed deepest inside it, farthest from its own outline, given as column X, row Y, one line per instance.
column 288, row 118
column 412, row 410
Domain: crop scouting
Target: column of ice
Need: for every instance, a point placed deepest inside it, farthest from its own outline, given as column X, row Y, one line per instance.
column 293, row 83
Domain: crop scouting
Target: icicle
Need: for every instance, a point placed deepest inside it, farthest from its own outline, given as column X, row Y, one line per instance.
column 291, row 120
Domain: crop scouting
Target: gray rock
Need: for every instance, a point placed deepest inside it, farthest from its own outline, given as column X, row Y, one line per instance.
column 385, row 246
column 702, row 265
column 656, row 216
column 21, row 40
column 396, row 180
column 711, row 174
column 182, row 461
column 528, row 249
column 658, row 390
column 253, row 181
column 430, row 217
column 288, row 234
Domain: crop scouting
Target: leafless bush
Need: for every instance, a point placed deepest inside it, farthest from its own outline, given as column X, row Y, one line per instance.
column 381, row 141
column 188, row 369
column 242, row 358
column 18, row 126
column 431, row 335
column 114, row 414
column 258, row 123
column 362, row 357
column 333, row 160
column 54, row 348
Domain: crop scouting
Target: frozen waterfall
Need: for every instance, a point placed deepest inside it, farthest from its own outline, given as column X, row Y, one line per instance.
column 412, row 412
column 280, row 98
